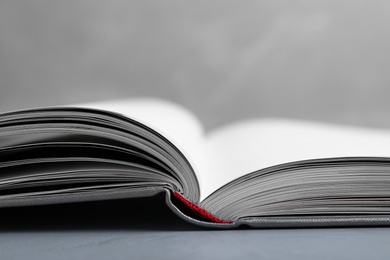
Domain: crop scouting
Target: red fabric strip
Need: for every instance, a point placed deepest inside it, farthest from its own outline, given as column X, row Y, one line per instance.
column 199, row 210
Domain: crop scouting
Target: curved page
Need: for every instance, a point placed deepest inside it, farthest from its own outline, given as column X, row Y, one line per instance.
column 174, row 122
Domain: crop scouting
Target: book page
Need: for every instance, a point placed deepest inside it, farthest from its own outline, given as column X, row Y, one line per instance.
column 172, row 121
column 248, row 146
column 232, row 151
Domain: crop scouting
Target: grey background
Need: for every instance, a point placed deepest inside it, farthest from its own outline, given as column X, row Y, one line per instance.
column 225, row 61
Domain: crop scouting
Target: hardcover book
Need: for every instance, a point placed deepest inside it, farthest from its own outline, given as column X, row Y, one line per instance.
column 260, row 173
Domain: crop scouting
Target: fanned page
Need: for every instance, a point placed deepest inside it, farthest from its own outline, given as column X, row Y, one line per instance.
column 172, row 121
column 69, row 153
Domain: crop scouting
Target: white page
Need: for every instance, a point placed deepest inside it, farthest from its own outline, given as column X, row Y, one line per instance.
column 174, row 122
column 244, row 147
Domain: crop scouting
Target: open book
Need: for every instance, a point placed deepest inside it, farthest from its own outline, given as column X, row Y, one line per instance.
column 261, row 173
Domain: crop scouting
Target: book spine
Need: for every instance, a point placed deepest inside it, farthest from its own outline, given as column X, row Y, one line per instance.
column 202, row 212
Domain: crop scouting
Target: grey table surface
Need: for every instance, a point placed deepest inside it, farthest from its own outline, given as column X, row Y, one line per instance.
column 146, row 229
column 155, row 244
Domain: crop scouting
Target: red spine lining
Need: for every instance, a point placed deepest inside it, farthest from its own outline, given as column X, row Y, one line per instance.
column 199, row 210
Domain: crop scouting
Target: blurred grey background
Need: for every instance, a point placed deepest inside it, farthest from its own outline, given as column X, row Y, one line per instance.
column 224, row 60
